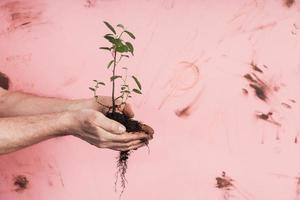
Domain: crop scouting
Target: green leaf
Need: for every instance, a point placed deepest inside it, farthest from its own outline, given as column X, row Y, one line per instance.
column 114, row 77
column 137, row 82
column 137, row 91
column 122, row 48
column 130, row 47
column 109, row 64
column 110, row 27
column 105, row 48
column 120, row 26
column 111, row 39
column 130, row 34
column 93, row 89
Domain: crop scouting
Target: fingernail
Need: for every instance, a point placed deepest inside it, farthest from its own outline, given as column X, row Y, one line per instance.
column 122, row 129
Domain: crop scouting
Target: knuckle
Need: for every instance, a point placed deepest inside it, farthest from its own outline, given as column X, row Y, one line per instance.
column 113, row 126
column 102, row 139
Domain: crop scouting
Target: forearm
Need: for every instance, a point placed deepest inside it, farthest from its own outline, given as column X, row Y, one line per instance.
column 19, row 132
column 19, row 103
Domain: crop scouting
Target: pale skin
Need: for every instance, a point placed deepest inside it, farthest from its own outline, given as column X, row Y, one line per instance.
column 27, row 119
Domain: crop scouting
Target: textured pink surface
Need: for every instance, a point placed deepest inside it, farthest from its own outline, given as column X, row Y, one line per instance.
column 191, row 57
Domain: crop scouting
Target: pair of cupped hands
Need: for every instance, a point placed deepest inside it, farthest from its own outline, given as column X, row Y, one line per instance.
column 91, row 125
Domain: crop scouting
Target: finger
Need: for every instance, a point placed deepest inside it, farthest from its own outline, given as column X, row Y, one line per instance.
column 147, row 129
column 128, row 110
column 135, row 147
column 118, row 145
column 125, row 108
column 128, row 137
column 109, row 125
column 130, row 148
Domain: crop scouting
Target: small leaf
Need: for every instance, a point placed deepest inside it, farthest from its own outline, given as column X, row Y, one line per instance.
column 101, row 83
column 109, row 64
column 114, row 77
column 110, row 27
column 120, row 25
column 124, row 68
column 93, row 89
column 110, row 39
column 130, row 34
column 109, row 34
column 95, row 81
column 130, row 47
column 137, row 91
column 105, row 48
column 137, row 82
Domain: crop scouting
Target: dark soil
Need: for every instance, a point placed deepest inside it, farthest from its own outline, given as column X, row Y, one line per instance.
column 131, row 126
column 21, row 182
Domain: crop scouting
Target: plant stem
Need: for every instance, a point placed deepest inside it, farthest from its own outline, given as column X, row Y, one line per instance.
column 113, row 87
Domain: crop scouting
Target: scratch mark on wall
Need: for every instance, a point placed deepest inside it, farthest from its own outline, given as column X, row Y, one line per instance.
column 184, row 79
column 21, row 14
column 289, row 3
column 187, row 111
column 227, row 186
column 90, row 3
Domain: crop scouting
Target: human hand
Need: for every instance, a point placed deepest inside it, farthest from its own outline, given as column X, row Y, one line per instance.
column 100, row 131
column 105, row 102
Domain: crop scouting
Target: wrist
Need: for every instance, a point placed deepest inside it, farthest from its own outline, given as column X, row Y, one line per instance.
column 65, row 123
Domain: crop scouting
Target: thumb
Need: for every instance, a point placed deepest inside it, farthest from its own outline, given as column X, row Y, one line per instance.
column 109, row 125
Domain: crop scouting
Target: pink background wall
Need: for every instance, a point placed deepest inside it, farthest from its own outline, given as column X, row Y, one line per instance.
column 191, row 57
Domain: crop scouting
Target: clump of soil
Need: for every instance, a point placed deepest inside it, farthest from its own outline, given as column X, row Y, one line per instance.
column 131, row 126
column 21, row 182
